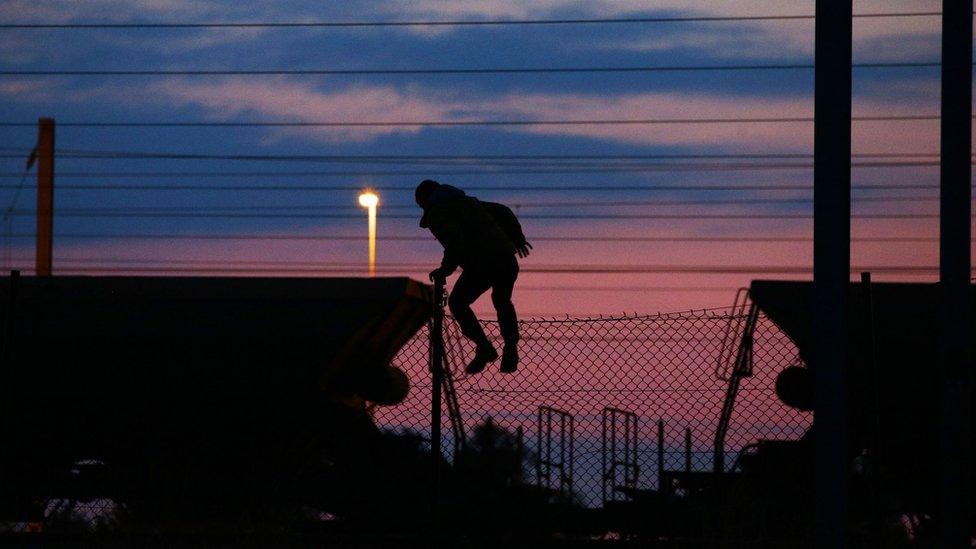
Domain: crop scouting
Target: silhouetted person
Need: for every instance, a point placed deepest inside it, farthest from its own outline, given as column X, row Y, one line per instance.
column 483, row 239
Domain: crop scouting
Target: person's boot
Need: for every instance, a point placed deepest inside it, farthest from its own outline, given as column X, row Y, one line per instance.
column 510, row 359
column 484, row 354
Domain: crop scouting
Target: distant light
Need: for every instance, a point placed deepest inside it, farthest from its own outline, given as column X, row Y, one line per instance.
column 368, row 200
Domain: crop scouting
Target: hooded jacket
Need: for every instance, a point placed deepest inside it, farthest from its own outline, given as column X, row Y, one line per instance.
column 465, row 228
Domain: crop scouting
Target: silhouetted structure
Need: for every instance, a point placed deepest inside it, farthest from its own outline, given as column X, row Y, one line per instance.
column 892, row 402
column 223, row 402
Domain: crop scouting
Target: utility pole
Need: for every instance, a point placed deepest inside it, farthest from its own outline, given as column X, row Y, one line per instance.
column 955, row 233
column 45, row 196
column 831, row 265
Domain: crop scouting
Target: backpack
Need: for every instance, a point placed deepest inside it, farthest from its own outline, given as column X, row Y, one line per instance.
column 505, row 218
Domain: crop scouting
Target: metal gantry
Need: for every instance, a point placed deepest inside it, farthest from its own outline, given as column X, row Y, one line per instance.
column 618, row 442
column 556, row 438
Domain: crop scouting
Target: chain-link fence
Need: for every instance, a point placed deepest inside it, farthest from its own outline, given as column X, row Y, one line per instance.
column 598, row 406
column 672, row 368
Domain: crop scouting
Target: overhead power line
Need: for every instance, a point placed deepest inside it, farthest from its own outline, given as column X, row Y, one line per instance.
column 425, row 173
column 594, row 269
column 514, row 205
column 535, row 238
column 306, row 263
column 435, row 123
column 453, row 23
column 293, row 174
column 454, row 158
column 449, row 71
column 580, row 167
column 473, row 188
column 614, row 288
column 471, row 157
column 581, row 161
column 673, row 217
column 393, row 266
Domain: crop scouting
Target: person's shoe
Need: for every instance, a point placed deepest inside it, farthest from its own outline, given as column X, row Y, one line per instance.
column 482, row 356
column 510, row 359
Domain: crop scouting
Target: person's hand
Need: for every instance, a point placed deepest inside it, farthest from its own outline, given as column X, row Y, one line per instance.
column 523, row 249
column 439, row 274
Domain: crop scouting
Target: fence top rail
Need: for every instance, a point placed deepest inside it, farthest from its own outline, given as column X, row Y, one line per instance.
column 692, row 314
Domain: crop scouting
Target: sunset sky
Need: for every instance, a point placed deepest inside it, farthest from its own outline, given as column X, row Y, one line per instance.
column 764, row 197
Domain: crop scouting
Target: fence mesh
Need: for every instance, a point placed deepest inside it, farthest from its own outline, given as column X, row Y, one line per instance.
column 672, row 368
column 666, row 367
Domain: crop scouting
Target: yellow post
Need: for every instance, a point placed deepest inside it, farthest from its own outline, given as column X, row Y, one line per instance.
column 45, row 197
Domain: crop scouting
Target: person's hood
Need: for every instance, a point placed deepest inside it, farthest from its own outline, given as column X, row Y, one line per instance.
column 443, row 193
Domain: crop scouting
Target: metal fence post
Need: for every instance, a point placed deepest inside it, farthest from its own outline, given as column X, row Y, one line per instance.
column 831, row 263
column 660, row 458
column 436, row 392
column 45, row 197
column 955, row 337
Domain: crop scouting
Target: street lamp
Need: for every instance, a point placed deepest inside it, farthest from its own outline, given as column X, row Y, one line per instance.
column 369, row 200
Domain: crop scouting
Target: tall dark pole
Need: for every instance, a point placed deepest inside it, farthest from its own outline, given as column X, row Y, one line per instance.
column 45, row 196
column 831, row 263
column 437, row 380
column 954, row 273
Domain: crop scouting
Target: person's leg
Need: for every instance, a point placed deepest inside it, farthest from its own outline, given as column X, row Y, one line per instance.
column 503, row 283
column 469, row 286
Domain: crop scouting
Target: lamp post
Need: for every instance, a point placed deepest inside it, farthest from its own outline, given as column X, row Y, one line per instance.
column 369, row 200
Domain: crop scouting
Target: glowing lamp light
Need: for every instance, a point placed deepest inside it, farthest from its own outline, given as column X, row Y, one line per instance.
column 369, row 200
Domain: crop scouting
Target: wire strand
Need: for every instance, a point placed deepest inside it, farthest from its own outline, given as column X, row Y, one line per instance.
column 514, row 205
column 541, row 238
column 596, row 270
column 437, row 123
column 454, row 23
column 533, row 188
column 306, row 263
column 672, row 217
column 456, row 71
column 468, row 157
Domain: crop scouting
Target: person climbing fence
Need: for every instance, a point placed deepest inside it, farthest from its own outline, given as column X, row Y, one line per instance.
column 483, row 238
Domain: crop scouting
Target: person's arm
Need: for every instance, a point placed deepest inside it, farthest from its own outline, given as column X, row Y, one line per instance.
column 448, row 232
